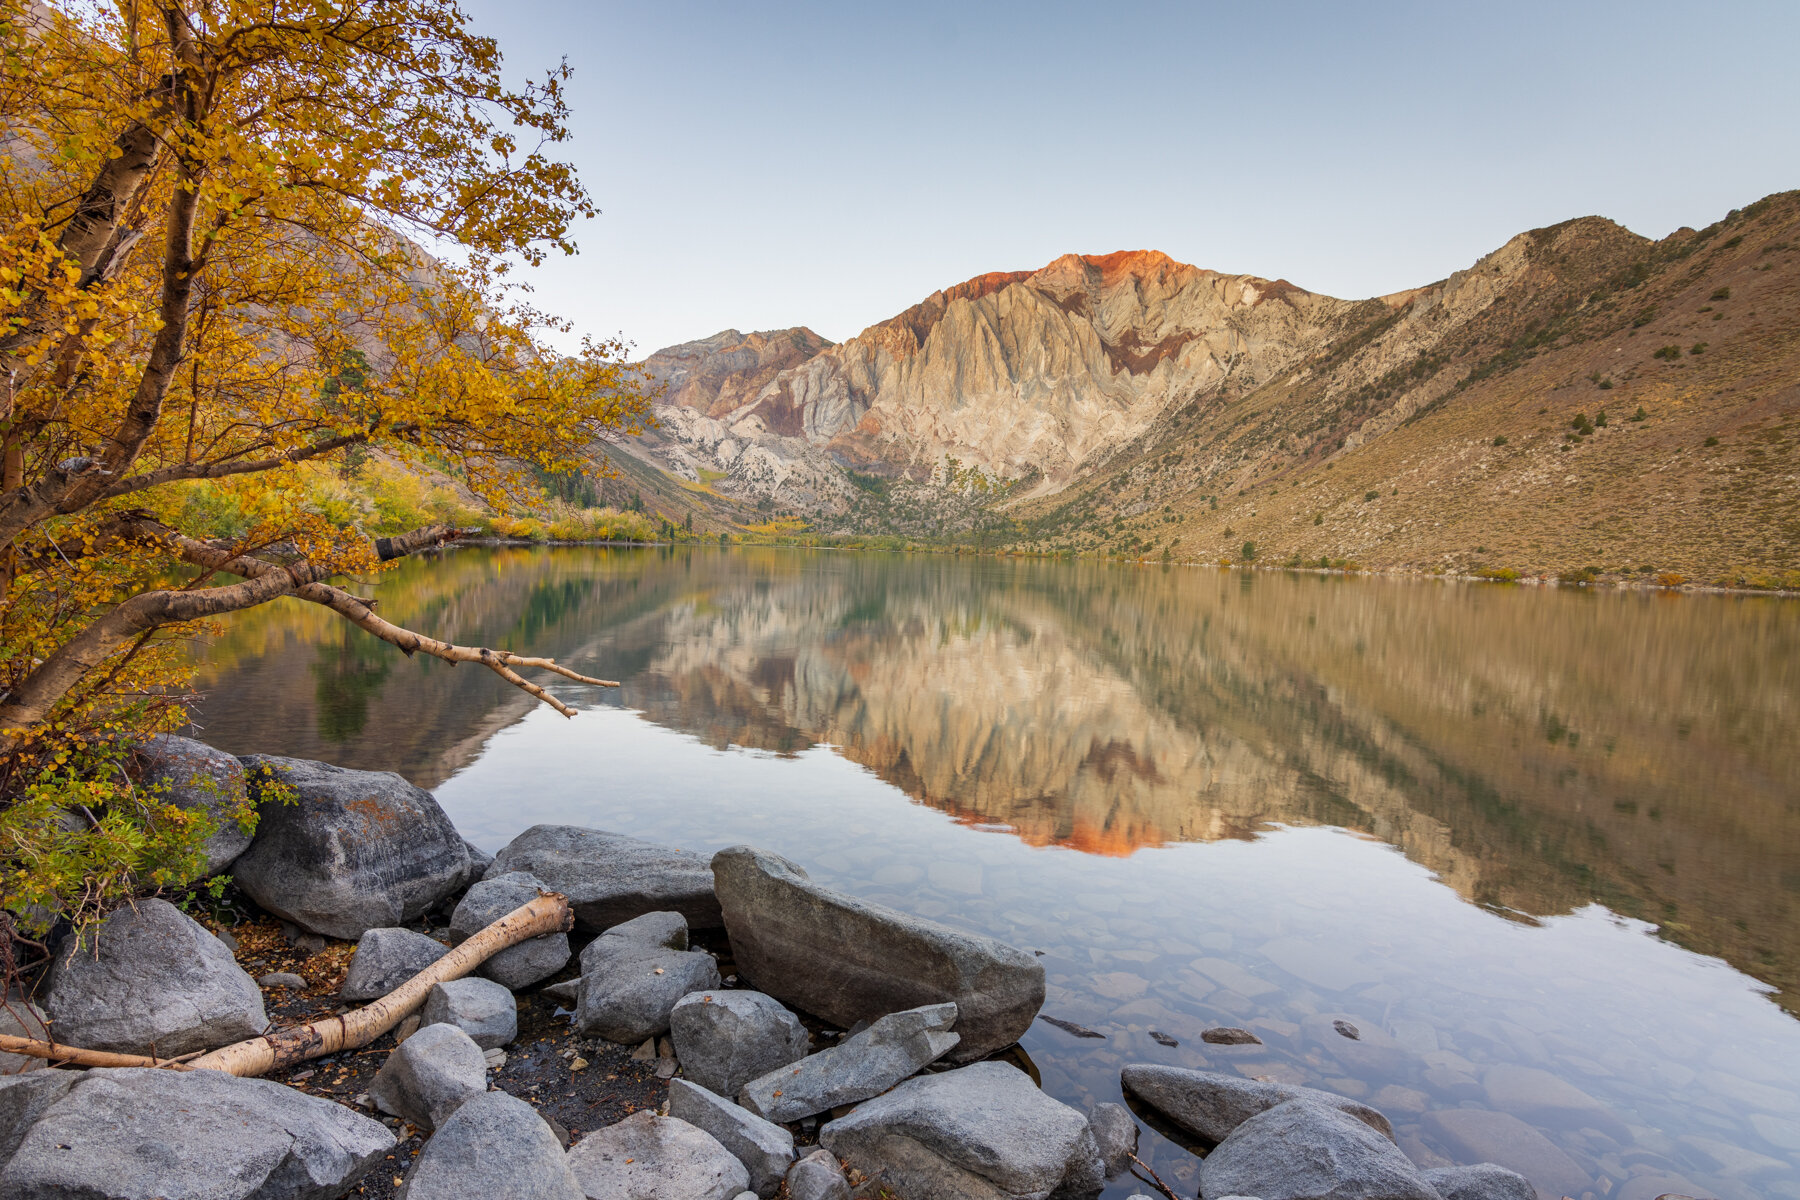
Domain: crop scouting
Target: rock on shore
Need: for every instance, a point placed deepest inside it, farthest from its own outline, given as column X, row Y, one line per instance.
column 849, row 960
column 610, row 878
column 194, row 776
column 357, row 850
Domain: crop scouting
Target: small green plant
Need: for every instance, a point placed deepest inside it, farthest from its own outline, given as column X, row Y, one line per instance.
column 1606, row 385
column 1582, row 425
column 1697, row 348
column 1371, row 495
column 1711, row 441
column 1500, row 440
column 1600, row 420
column 1498, row 574
column 1248, row 553
column 1644, row 318
column 1580, row 576
column 1728, row 244
column 1639, row 415
column 1723, row 293
column 1318, row 518
column 1669, row 352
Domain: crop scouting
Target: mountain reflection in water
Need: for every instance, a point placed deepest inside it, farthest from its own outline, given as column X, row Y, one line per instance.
column 1537, row 750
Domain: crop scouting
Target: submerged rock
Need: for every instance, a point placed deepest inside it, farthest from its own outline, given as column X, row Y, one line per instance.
column 1483, row 1182
column 1304, row 1150
column 647, row 1157
column 144, row 1134
column 357, row 850
column 152, row 980
column 387, row 958
column 1482, row 1135
column 494, row 1146
column 977, row 1133
column 848, row 960
column 864, row 1065
column 517, row 966
column 610, row 878
column 724, row 1039
column 1115, row 1134
column 1211, row 1105
column 194, row 776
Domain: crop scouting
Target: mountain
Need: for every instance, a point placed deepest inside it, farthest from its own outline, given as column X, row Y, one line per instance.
column 1130, row 404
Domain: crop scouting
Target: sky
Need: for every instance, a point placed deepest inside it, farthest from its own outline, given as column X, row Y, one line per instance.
column 760, row 166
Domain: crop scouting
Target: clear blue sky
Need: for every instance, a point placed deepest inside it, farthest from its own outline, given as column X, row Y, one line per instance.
column 768, row 165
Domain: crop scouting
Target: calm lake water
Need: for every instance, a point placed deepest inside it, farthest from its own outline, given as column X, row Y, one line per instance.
column 1542, row 848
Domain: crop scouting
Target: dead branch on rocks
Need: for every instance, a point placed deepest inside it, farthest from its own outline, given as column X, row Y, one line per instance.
column 56, row 1052
column 549, row 913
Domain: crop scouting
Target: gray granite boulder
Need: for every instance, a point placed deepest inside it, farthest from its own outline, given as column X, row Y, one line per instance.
column 647, row 1157
column 666, row 929
column 193, row 776
column 430, row 1075
column 849, row 960
column 358, row 850
column 1116, row 1135
column 1486, row 1181
column 978, row 1133
column 151, row 980
column 139, row 1134
column 864, row 1065
column 1211, row 1105
column 629, row 987
column 1305, row 1150
column 493, row 1146
column 24, row 1098
column 724, row 1039
column 766, row 1150
column 517, row 966
column 387, row 958
column 480, row 1008
column 479, row 860
column 610, row 878
column 818, row 1176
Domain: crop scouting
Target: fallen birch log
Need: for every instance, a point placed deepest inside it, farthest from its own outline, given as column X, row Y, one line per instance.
column 549, row 913
column 58, row 1053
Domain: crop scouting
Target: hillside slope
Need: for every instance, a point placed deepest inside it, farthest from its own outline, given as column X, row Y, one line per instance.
column 1581, row 397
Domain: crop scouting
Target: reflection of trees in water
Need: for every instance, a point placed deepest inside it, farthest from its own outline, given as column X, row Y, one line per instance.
column 345, row 678
column 1538, row 750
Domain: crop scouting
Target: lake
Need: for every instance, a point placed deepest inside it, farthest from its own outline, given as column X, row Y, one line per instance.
column 1540, row 847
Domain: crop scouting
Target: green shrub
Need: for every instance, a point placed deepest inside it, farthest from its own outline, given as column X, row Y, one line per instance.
column 1371, row 495
column 1669, row 352
column 1498, row 574
column 1711, row 441
column 1723, row 293
column 1500, row 440
column 1697, row 348
column 1639, row 415
column 1248, row 553
column 1318, row 518
column 1606, row 385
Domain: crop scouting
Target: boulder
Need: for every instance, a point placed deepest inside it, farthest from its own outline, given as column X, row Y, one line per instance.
column 862, row 1065
column 494, row 1145
column 141, row 1134
column 766, row 1150
column 629, row 987
column 387, row 958
column 193, row 776
column 517, row 966
column 1210, row 1105
column 430, row 1076
column 666, row 929
column 24, row 1098
column 1305, row 1150
column 647, row 1157
column 480, row 1008
column 724, row 1039
column 849, row 960
column 151, row 980
column 1116, row 1135
column 610, row 878
column 1486, row 1181
column 981, row 1132
column 479, row 860
column 818, row 1176
column 1482, row 1135
column 357, row 850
